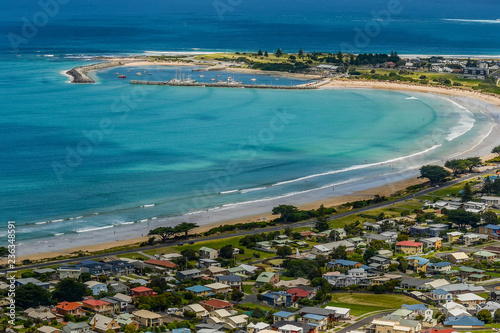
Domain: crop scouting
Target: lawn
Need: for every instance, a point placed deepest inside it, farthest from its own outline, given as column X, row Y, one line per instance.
column 247, row 289
column 361, row 303
column 262, row 307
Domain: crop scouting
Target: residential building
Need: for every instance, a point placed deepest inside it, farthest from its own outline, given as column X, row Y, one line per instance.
column 493, row 231
column 236, row 322
column 326, row 249
column 473, row 238
column 330, row 314
column 200, row 291
column 462, row 288
column 258, row 327
column 484, row 256
column 96, row 287
column 48, row 329
column 463, row 322
column 189, row 274
column 418, row 310
column 216, row 304
column 458, row 257
column 233, row 281
column 147, row 318
column 470, row 299
column 73, row 308
column 121, row 267
column 25, row 281
column 205, row 263
column 492, row 201
column 215, row 271
column 142, row 292
column 200, row 311
column 126, row 319
column 293, row 327
column 277, row 298
column 267, row 277
column 70, row 271
column 492, row 307
column 299, row 293
column 435, row 230
column 95, row 268
column 208, row 253
column 409, row 247
column 432, row 242
column 438, row 267
column 379, row 262
column 319, row 321
column 453, row 236
column 283, row 316
column 115, row 304
column 81, row 327
column 165, row 264
column 102, row 324
column 219, row 288
column 418, row 264
column 97, row 306
column 41, row 313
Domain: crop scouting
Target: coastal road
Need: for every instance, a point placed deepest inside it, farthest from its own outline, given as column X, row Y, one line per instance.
column 256, row 231
column 363, row 322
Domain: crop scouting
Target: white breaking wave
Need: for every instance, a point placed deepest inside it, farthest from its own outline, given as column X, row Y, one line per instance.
column 59, row 234
column 93, row 229
column 231, row 205
column 412, row 97
column 475, row 21
column 147, row 206
column 357, row 167
column 252, row 189
column 465, row 122
column 227, row 192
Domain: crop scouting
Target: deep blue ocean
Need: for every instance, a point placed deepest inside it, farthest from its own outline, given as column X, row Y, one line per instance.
column 71, row 151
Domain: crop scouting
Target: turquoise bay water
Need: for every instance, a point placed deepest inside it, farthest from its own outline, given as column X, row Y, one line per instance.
column 71, row 151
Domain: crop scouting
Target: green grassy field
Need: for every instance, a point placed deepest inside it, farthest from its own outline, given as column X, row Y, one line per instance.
column 361, row 303
column 137, row 256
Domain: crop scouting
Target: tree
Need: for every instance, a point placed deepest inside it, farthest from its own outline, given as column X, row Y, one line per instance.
column 69, row 290
column 467, row 193
column 185, row 227
column 496, row 316
column 266, row 54
column 237, row 296
column 485, row 316
column 286, row 212
column 279, row 53
column 474, row 162
column 339, row 252
column 284, row 251
column 226, row 251
column 3, row 251
column 340, row 56
column 370, row 252
column 260, row 53
column 163, row 232
column 85, row 276
column 463, row 218
column 434, row 173
column 31, row 295
column 490, row 217
column 496, row 150
column 458, row 166
column 321, row 223
column 130, row 328
column 403, row 264
column 301, row 53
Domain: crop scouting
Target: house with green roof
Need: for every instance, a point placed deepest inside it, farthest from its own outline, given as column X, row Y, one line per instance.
column 484, row 256
column 208, row 253
column 267, row 277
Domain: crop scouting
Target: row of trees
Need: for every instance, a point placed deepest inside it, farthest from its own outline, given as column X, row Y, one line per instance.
column 166, row 232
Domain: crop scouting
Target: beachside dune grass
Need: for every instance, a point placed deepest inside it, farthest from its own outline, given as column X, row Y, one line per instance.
column 361, row 303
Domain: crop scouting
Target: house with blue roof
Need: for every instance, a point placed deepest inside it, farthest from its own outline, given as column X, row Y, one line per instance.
column 347, row 263
column 316, row 320
column 418, row 264
column 493, row 231
column 277, row 298
column 283, row 316
column 201, row 291
column 441, row 296
column 95, row 268
column 463, row 322
column 418, row 310
column 438, row 267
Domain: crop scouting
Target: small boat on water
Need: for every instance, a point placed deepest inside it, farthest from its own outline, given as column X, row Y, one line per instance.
column 218, row 75
column 117, row 73
column 149, row 73
column 202, row 75
column 122, row 77
column 212, row 79
column 254, row 79
column 139, row 74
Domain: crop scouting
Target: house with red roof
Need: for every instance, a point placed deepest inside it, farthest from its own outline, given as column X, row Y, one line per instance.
column 73, row 308
column 98, row 306
column 142, row 292
column 161, row 263
column 298, row 293
column 216, row 304
column 409, row 247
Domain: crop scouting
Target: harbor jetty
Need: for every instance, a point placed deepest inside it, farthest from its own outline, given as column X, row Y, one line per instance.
column 231, row 84
column 79, row 74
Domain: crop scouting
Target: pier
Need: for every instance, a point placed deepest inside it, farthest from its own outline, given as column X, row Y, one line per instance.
column 79, row 74
column 306, row 86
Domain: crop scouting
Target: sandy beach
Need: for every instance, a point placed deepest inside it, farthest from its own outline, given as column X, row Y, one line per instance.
column 383, row 185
